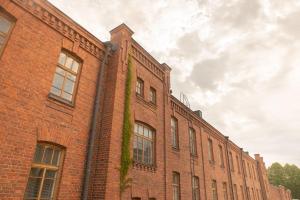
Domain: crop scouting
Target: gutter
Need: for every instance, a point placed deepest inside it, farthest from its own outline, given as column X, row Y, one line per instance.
column 93, row 131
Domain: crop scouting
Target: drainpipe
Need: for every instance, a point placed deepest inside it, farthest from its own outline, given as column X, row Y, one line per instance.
column 93, row 131
column 229, row 167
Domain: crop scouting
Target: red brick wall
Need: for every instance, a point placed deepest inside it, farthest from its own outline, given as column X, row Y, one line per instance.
column 28, row 116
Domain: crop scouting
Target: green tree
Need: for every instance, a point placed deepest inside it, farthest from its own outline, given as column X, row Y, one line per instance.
column 287, row 175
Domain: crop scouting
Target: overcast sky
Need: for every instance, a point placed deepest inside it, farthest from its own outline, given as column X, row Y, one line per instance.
column 236, row 60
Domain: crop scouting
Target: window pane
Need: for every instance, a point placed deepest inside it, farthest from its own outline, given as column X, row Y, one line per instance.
column 140, row 148
column 55, row 91
column 67, row 96
column 47, row 189
column 71, row 77
column 36, row 172
column 75, row 66
column 4, row 25
column 60, row 71
column 48, row 155
column 38, row 153
column 58, row 81
column 135, row 151
column 32, row 189
column 56, row 157
column 62, row 58
column 50, row 174
column 2, row 39
column 69, row 86
column 69, row 62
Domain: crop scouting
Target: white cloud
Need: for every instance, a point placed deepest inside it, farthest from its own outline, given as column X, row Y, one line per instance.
column 237, row 60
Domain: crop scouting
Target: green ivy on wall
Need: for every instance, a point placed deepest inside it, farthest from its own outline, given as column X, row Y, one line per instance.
column 126, row 136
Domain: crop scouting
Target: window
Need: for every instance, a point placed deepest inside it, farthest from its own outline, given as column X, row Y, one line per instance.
column 248, row 193
column 236, row 197
column 195, row 185
column 210, row 151
column 193, row 147
column 152, row 95
column 225, row 195
column 214, row 190
column 66, row 77
column 174, row 132
column 242, row 192
column 6, row 25
column 253, row 194
column 254, row 175
column 258, row 196
column 231, row 161
column 244, row 166
column 139, row 87
column 249, row 169
column 44, row 173
column 143, row 144
column 176, row 186
column 238, row 164
column 221, row 156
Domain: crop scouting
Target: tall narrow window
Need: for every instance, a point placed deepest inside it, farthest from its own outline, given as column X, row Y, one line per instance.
column 214, row 190
column 258, row 196
column 6, row 25
column 210, row 151
column 245, row 169
column 231, row 161
column 236, row 196
column 254, row 174
column 139, row 87
column 152, row 95
column 193, row 144
column 253, row 194
column 248, row 193
column 249, row 170
column 174, row 132
column 66, row 77
column 195, row 188
column 242, row 192
column 238, row 164
column 143, row 144
column 221, row 158
column 225, row 195
column 44, row 173
column 176, row 186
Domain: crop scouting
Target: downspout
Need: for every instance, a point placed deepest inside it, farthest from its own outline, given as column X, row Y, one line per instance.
column 229, row 168
column 165, row 138
column 93, row 131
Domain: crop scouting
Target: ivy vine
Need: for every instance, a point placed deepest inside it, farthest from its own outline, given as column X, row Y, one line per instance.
column 126, row 135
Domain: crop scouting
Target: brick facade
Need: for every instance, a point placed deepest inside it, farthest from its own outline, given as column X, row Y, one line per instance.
column 28, row 116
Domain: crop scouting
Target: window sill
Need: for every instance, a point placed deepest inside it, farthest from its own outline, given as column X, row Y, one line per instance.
column 142, row 100
column 142, row 166
column 61, row 100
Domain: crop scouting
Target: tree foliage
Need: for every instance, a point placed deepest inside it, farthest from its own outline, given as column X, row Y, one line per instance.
column 126, row 134
column 287, row 175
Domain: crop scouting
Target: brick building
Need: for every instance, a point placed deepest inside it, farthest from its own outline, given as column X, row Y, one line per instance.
column 62, row 94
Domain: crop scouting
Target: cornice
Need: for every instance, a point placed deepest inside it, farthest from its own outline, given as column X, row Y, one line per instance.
column 63, row 24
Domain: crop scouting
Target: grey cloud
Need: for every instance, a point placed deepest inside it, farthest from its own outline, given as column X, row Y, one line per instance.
column 207, row 73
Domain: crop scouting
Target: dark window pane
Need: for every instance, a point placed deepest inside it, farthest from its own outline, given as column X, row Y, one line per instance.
column 50, row 174
column 47, row 189
column 140, row 148
column 4, row 25
column 48, row 155
column 55, row 160
column 33, row 186
column 36, row 172
column 38, row 153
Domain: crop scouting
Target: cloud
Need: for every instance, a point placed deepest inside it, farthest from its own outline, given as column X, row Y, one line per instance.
column 237, row 60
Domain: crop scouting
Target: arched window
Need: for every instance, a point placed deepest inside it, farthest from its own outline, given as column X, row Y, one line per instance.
column 143, row 145
column 44, row 174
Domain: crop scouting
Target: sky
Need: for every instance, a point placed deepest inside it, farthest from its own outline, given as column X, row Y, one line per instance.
column 236, row 60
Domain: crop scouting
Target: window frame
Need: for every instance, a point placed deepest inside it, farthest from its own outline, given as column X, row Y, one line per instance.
column 221, row 156
column 46, row 167
column 152, row 93
column 176, row 185
column 12, row 20
column 231, row 161
column 193, row 142
column 76, row 84
column 225, row 190
column 139, row 81
column 176, row 137
column 211, row 157
column 214, row 189
column 195, row 188
column 152, row 140
column 238, row 164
